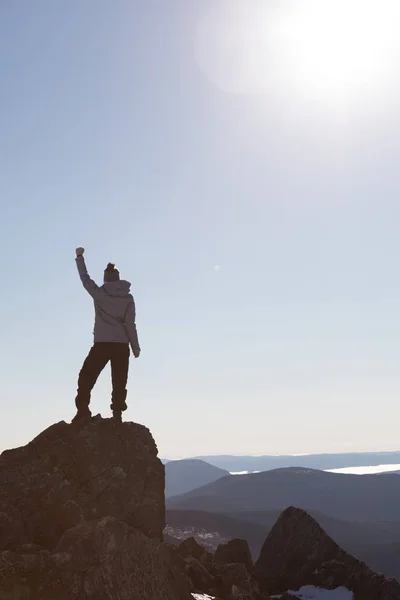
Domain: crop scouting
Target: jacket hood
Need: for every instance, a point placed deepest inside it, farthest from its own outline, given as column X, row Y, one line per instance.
column 117, row 288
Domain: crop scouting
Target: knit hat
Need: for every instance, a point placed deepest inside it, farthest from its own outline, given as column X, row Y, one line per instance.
column 111, row 273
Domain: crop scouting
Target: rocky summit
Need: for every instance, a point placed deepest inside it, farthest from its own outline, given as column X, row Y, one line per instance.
column 298, row 552
column 82, row 515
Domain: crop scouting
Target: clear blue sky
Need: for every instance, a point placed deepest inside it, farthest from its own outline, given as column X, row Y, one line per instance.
column 126, row 129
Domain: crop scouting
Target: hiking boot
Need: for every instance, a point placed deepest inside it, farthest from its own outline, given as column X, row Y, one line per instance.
column 83, row 415
column 118, row 405
column 118, row 400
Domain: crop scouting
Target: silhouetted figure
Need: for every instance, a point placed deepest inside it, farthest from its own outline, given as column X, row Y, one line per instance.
column 114, row 331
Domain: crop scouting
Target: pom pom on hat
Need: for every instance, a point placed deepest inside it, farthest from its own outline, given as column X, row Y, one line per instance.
column 111, row 273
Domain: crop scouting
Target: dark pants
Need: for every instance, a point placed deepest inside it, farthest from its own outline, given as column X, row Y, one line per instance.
column 99, row 355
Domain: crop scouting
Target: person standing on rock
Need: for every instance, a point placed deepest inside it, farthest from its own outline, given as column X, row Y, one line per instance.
column 114, row 332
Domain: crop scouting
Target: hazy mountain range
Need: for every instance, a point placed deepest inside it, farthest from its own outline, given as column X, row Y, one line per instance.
column 348, row 497
column 321, row 462
column 360, row 512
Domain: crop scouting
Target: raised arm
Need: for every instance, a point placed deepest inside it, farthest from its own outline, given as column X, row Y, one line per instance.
column 131, row 330
column 89, row 285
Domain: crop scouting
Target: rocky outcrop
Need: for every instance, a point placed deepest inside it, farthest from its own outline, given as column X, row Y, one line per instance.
column 235, row 574
column 298, row 552
column 67, row 475
column 200, row 577
column 220, row 578
column 81, row 517
column 97, row 560
column 190, row 547
column 235, row 551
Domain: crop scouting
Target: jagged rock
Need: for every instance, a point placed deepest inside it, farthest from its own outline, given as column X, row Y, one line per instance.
column 298, row 552
column 235, row 551
column 98, row 560
column 190, row 547
column 234, row 574
column 220, row 588
column 70, row 474
column 198, row 574
column 227, row 581
column 82, row 515
column 206, row 558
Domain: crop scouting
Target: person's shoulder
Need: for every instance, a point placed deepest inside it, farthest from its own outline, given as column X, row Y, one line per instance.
column 102, row 291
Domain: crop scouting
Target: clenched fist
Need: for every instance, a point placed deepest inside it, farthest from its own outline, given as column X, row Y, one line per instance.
column 80, row 251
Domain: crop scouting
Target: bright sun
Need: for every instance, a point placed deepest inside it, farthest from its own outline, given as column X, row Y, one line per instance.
column 331, row 50
column 337, row 47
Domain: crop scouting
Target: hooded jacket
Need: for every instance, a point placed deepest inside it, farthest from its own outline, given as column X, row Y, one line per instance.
column 114, row 307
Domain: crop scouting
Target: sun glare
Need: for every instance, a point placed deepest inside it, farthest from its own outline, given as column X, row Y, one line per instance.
column 336, row 47
column 334, row 51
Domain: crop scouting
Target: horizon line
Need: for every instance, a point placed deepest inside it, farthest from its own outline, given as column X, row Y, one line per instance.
column 202, row 456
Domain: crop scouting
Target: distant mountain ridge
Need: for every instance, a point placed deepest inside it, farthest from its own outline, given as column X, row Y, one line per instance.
column 321, row 462
column 185, row 475
column 346, row 497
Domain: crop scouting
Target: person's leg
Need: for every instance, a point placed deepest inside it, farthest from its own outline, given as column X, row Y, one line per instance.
column 119, row 374
column 94, row 363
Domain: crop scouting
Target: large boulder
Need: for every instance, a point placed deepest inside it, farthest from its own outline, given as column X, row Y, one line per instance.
column 70, row 474
column 82, row 515
column 298, row 552
column 235, row 551
column 234, row 574
column 235, row 578
column 99, row 560
column 198, row 574
column 190, row 547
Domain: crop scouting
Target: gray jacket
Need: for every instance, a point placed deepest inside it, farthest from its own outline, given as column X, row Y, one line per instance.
column 114, row 309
